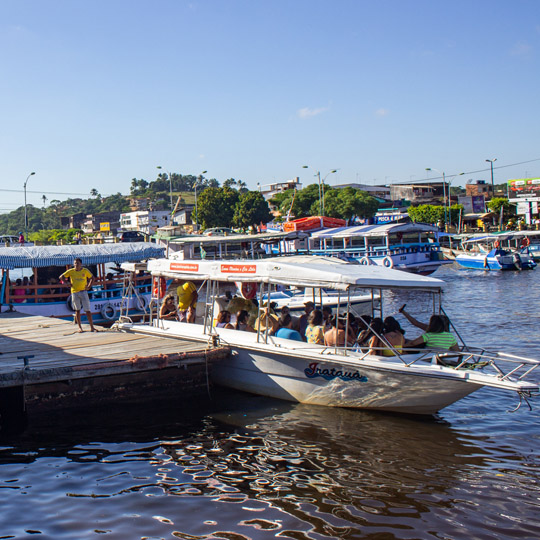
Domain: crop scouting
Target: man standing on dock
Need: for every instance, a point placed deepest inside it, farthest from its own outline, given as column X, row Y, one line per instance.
column 81, row 280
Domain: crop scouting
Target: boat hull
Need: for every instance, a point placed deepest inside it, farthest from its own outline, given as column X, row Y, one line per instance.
column 313, row 374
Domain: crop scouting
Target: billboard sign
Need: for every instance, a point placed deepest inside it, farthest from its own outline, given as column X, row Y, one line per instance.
column 524, row 187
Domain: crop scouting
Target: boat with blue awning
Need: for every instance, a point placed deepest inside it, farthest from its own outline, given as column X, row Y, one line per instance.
column 30, row 279
column 411, row 247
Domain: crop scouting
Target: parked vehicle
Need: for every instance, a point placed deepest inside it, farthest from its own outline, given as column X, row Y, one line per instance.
column 131, row 236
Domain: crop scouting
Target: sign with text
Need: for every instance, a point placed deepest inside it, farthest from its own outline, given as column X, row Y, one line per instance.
column 524, row 187
column 239, row 268
column 184, row 267
column 106, row 226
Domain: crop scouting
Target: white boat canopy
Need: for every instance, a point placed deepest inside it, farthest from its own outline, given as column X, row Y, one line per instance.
column 41, row 256
column 374, row 230
column 300, row 271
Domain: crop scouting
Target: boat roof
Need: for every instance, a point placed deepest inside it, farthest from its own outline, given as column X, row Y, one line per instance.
column 41, row 256
column 374, row 230
column 300, row 271
column 266, row 238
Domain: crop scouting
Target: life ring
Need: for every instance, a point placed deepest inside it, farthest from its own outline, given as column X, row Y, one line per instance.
column 365, row 260
column 159, row 287
column 525, row 242
column 69, row 303
column 388, row 262
column 497, row 244
column 141, row 303
column 108, row 312
column 248, row 289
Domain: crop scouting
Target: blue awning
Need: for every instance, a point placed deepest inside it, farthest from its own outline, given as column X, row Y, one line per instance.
column 41, row 256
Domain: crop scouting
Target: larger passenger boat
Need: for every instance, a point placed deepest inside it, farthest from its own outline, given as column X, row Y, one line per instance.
column 412, row 247
column 30, row 281
column 422, row 382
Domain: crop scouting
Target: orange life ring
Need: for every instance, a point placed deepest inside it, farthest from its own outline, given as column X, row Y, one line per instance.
column 525, row 242
column 159, row 287
column 497, row 244
column 248, row 289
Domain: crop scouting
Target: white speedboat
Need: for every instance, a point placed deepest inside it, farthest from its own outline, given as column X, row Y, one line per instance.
column 419, row 383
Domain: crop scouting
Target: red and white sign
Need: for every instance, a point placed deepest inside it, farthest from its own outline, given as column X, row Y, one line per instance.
column 184, row 267
column 239, row 268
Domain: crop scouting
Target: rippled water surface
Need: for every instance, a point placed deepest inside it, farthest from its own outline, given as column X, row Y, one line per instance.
column 242, row 466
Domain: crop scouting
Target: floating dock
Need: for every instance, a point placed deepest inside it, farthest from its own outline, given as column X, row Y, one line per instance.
column 46, row 363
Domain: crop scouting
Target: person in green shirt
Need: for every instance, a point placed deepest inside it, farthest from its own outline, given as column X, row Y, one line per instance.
column 81, row 280
column 435, row 337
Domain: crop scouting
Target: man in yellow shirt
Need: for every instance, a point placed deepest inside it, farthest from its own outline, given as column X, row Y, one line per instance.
column 187, row 301
column 81, row 280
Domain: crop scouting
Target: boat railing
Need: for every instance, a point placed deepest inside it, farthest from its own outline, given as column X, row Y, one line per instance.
column 472, row 358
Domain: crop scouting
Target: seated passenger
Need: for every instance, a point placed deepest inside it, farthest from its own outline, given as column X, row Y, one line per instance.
column 392, row 334
column 266, row 319
column 224, row 319
column 336, row 335
column 315, row 328
column 373, row 326
column 285, row 329
column 242, row 321
column 168, row 310
column 436, row 337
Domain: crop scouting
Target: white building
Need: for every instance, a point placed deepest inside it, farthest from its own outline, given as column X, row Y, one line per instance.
column 147, row 221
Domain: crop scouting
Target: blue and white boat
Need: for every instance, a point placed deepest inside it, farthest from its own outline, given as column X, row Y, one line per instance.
column 412, row 247
column 486, row 253
column 42, row 294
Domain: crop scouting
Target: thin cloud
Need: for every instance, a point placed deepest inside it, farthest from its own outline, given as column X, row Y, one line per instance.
column 306, row 112
column 521, row 49
column 382, row 112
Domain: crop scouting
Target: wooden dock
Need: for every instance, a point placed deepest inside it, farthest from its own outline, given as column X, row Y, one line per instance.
column 46, row 362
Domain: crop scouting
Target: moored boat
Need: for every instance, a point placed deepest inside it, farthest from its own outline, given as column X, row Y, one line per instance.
column 422, row 382
column 412, row 247
column 42, row 293
column 486, row 253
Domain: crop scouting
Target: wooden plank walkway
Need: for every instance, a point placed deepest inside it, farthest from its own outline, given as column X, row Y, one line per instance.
column 45, row 356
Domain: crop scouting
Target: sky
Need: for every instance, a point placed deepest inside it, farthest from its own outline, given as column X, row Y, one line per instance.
column 94, row 94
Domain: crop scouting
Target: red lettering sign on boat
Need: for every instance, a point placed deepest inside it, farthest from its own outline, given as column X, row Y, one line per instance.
column 239, row 268
column 184, row 267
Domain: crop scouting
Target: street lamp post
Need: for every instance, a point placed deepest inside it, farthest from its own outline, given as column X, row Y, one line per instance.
column 444, row 195
column 170, row 185
column 199, row 179
column 25, row 214
column 490, row 161
column 450, row 197
column 321, row 187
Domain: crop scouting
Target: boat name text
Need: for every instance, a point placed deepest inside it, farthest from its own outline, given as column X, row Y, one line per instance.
column 313, row 371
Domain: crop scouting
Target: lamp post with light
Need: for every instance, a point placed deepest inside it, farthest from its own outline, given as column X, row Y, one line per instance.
column 199, row 179
column 450, row 197
column 490, row 161
column 25, row 214
column 444, row 195
column 321, row 187
column 170, row 185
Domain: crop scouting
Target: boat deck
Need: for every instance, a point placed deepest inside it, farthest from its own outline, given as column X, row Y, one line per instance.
column 47, row 357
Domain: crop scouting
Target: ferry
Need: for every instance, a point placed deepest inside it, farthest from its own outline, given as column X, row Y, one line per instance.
column 30, row 279
column 423, row 381
column 411, row 247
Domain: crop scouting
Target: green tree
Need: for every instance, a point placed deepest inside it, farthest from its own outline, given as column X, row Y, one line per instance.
column 348, row 203
column 251, row 209
column 496, row 203
column 427, row 213
column 215, row 207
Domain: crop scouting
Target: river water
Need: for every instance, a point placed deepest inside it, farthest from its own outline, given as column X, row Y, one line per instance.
column 239, row 466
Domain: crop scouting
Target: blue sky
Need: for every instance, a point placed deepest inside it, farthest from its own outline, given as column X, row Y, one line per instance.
column 93, row 94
